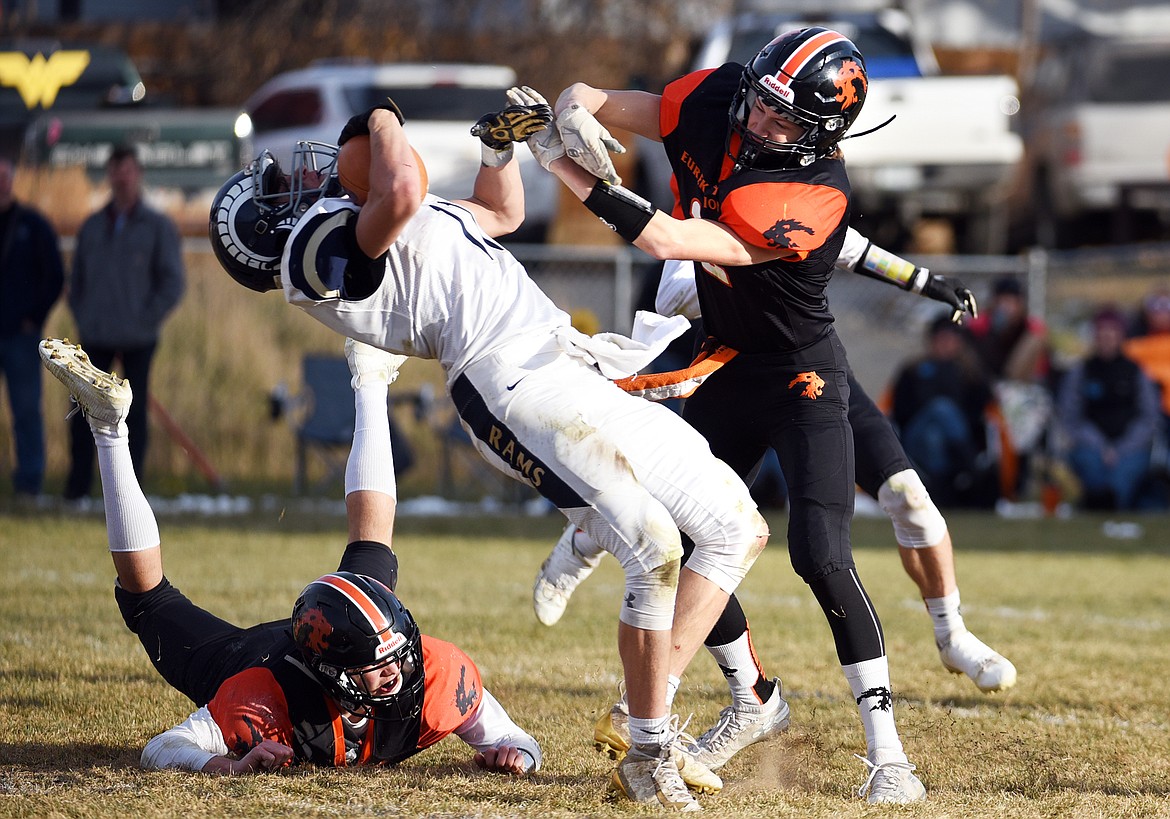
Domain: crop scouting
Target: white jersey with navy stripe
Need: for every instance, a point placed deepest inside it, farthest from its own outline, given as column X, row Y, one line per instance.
column 449, row 292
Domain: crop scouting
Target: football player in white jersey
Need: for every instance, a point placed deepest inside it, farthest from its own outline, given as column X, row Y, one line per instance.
column 421, row 276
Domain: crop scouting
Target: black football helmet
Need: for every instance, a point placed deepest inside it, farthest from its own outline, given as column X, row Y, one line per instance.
column 814, row 77
column 346, row 624
column 255, row 210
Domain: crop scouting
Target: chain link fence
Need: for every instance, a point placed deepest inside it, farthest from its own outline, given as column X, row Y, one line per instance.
column 881, row 325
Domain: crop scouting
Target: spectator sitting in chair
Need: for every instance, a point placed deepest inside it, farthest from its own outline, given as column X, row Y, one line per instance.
column 1014, row 348
column 1150, row 346
column 938, row 406
column 1108, row 411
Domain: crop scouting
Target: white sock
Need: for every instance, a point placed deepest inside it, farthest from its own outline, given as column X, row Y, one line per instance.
column 371, row 459
column 948, row 620
column 741, row 668
column 652, row 731
column 870, row 683
column 130, row 522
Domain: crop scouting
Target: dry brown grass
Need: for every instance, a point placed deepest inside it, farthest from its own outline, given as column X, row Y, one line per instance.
column 1084, row 734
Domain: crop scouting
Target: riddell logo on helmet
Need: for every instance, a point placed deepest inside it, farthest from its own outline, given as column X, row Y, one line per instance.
column 394, row 642
column 777, row 87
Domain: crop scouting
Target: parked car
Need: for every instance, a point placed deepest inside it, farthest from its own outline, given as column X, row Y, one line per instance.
column 39, row 76
column 1097, row 132
column 440, row 102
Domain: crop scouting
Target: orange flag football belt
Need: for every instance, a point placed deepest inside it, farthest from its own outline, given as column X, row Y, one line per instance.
column 678, row 383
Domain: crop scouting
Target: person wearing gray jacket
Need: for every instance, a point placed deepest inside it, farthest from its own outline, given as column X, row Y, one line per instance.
column 127, row 276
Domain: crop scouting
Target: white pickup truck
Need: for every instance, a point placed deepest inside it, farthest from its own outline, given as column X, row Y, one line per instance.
column 1098, row 141
column 950, row 151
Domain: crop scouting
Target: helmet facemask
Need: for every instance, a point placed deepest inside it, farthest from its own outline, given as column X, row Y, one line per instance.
column 254, row 212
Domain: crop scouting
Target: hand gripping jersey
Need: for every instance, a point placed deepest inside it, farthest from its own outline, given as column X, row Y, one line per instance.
column 444, row 290
column 775, row 306
column 280, row 699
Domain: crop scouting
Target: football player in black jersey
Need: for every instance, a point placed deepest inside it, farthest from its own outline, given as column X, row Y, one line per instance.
column 763, row 208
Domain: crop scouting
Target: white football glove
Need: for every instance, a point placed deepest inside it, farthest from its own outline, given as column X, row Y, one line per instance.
column 588, row 143
column 371, row 365
column 546, row 143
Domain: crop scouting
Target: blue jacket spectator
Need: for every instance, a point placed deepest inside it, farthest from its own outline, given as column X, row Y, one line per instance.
column 31, row 278
column 1109, row 414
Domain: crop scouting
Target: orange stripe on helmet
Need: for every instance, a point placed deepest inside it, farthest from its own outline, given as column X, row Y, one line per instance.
column 360, row 599
column 809, row 50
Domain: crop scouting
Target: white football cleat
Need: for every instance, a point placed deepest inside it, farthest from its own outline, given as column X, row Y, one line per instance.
column 102, row 396
column 653, row 779
column 891, row 779
column 560, row 574
column 737, row 728
column 967, row 654
column 371, row 365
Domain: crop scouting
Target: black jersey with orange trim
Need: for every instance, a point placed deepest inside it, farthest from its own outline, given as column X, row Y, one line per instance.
column 280, row 699
column 802, row 213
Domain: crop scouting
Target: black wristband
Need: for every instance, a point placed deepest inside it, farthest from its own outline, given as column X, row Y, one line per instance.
column 626, row 213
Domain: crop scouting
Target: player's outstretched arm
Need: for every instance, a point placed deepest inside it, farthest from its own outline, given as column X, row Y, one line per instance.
column 498, row 198
column 862, row 256
column 501, row 745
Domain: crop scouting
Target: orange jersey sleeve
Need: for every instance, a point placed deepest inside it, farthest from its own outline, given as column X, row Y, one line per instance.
column 453, row 690
column 250, row 707
column 672, row 99
column 793, row 216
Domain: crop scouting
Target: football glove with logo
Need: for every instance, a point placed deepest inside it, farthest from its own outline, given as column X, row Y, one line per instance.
column 545, row 143
column 516, row 123
column 588, row 143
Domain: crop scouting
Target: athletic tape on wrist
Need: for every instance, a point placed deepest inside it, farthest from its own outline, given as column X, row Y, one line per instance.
column 626, row 213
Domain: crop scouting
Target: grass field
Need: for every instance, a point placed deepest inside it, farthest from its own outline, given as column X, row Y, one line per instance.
column 1086, row 619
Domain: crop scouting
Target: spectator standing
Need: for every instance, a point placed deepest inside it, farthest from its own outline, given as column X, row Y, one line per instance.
column 1108, row 410
column 939, row 402
column 127, row 276
column 31, row 278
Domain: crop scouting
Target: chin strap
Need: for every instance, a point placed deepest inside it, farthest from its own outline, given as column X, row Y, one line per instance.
column 871, row 130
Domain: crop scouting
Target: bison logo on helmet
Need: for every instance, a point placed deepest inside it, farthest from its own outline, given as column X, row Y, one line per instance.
column 311, row 630
column 851, row 84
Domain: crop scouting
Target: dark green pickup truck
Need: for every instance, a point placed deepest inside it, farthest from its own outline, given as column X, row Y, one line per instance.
column 190, row 149
column 69, row 104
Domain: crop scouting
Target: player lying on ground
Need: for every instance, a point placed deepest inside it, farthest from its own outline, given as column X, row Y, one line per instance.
column 425, row 277
column 349, row 679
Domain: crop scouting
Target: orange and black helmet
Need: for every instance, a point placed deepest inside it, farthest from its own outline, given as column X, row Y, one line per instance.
column 347, row 625
column 814, row 77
